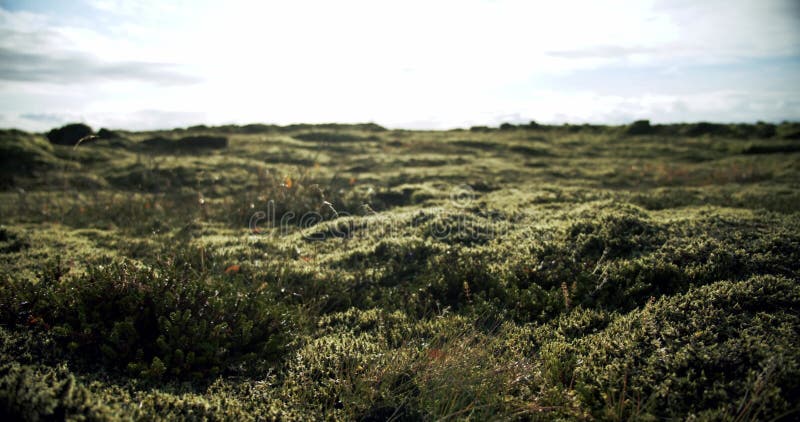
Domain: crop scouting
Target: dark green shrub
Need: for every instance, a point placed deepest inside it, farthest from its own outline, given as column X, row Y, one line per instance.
column 185, row 144
column 530, row 151
column 369, row 127
column 332, row 137
column 69, row 134
column 202, row 142
column 167, row 321
column 771, row 149
column 639, row 127
column 104, row 133
column 706, row 128
column 158, row 143
column 258, row 128
column 483, row 145
column 764, row 130
column 788, row 130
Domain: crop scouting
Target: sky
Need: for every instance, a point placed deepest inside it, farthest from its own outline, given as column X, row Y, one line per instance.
column 402, row 64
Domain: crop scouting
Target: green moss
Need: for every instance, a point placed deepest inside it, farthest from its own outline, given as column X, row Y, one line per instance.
column 725, row 350
column 536, row 272
column 23, row 155
column 32, row 394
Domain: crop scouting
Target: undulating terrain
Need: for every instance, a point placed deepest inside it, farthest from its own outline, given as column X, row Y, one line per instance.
column 351, row 272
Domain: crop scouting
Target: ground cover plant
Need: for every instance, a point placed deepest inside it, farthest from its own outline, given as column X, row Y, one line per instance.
column 351, row 272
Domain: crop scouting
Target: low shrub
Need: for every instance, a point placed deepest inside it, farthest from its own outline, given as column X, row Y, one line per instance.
column 332, row 137
column 168, row 321
column 185, row 144
column 202, row 142
column 69, row 134
column 104, row 133
column 771, row 149
column 706, row 128
column 639, row 127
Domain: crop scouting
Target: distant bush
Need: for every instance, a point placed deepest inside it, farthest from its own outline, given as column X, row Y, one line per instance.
column 484, row 145
column 759, row 130
column 639, row 127
column 368, row 127
column 764, row 130
column 507, row 126
column 202, row 141
column 186, row 143
column 772, row 149
column 257, row 128
column 788, row 130
column 69, row 134
column 703, row 128
column 158, row 142
column 530, row 151
column 332, row 137
column 735, row 131
column 104, row 133
column 480, row 129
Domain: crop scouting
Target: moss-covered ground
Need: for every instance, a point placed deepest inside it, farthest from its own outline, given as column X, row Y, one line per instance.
column 349, row 272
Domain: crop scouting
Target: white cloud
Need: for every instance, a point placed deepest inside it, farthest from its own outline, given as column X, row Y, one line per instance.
column 398, row 63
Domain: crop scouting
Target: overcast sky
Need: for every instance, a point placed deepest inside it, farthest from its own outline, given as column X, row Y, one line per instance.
column 404, row 64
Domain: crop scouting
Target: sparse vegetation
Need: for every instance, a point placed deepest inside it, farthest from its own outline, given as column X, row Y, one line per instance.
column 350, row 272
